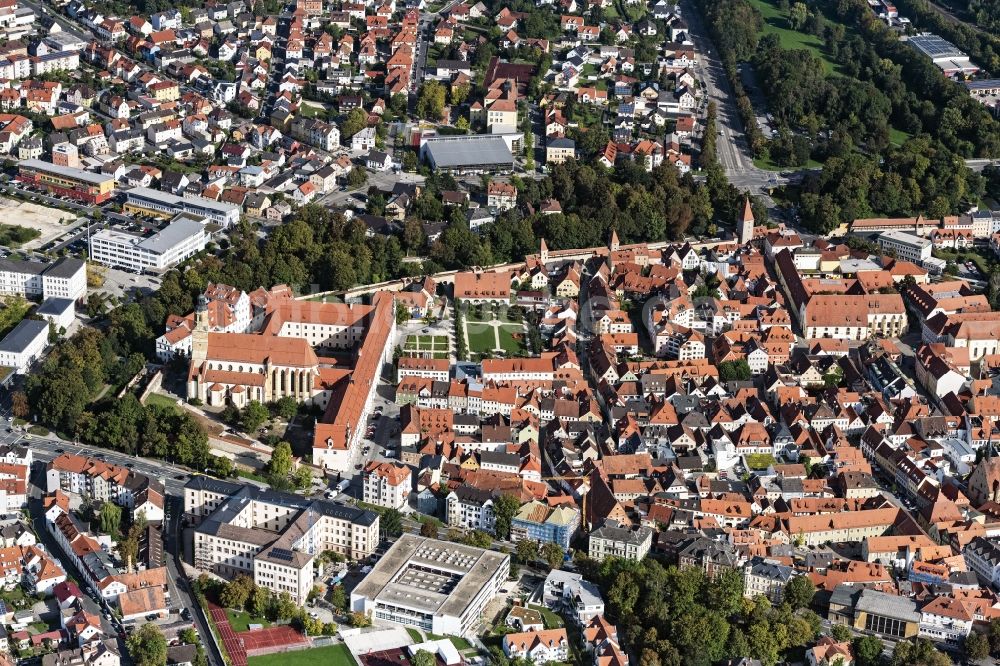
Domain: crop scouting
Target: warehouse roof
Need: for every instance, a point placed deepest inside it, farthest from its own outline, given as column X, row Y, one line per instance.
column 458, row 151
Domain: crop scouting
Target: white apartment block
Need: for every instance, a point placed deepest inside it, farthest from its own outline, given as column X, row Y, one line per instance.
column 614, row 540
column 24, row 345
column 272, row 537
column 387, row 484
column 66, row 278
column 470, row 509
column 983, row 558
column 763, row 578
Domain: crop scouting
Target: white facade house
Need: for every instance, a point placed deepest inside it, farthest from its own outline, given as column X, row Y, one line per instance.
column 615, row 540
column 364, row 140
column 946, row 619
column 569, row 591
column 764, row 578
column 272, row 537
column 387, row 484
column 470, row 509
column 66, row 278
column 24, row 345
column 541, row 647
column 982, row 556
column 59, row 312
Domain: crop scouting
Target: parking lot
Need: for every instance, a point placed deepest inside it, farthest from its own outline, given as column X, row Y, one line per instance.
column 121, row 283
column 50, row 222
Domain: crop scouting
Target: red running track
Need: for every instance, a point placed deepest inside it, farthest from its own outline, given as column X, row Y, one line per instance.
column 230, row 641
column 237, row 645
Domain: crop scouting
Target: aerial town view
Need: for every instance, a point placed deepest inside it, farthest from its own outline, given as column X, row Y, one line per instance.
column 499, row 332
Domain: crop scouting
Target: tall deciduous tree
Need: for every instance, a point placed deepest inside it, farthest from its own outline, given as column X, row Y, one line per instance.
column 147, row 646
column 504, row 508
column 111, row 518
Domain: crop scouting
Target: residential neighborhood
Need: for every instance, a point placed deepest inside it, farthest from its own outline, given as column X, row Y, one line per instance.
column 506, row 333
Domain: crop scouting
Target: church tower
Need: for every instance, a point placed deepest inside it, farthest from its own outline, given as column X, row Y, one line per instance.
column 543, row 252
column 199, row 336
column 614, row 245
column 745, row 223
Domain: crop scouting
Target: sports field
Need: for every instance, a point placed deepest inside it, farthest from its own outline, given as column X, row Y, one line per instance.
column 330, row 655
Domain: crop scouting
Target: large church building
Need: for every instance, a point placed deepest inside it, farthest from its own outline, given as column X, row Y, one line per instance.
column 327, row 354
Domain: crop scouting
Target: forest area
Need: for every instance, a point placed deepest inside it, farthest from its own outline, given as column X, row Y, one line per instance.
column 889, row 129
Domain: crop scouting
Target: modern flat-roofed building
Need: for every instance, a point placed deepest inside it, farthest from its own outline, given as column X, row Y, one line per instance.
column 909, row 247
column 22, row 346
column 945, row 55
column 472, row 153
column 154, row 202
column 437, row 586
column 183, row 237
column 273, row 537
column 66, row 278
column 85, row 186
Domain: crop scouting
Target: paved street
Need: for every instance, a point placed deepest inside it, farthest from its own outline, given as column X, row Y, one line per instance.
column 732, row 148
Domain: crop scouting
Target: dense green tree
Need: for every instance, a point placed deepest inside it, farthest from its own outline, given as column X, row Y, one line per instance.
column 504, row 508
column 236, row 592
column 976, row 646
column 286, row 407
column 994, row 636
column 429, row 529
column 423, row 658
column 553, row 554
column 479, row 539
column 147, row 646
column 360, row 620
column 259, row 601
column 526, row 551
column 391, row 523
column 867, row 650
column 431, row 100
column 841, row 632
column 281, row 460
column 110, row 519
column 253, row 416
column 799, row 592
column 918, row 652
column 734, row 370
column 357, row 177
column 354, row 122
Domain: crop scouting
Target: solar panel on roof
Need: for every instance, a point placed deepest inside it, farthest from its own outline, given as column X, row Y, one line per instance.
column 282, row 554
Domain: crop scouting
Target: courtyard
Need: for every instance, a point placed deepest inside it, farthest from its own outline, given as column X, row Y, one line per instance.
column 427, row 346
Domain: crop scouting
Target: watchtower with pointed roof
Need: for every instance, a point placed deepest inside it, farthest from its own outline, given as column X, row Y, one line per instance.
column 746, row 222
